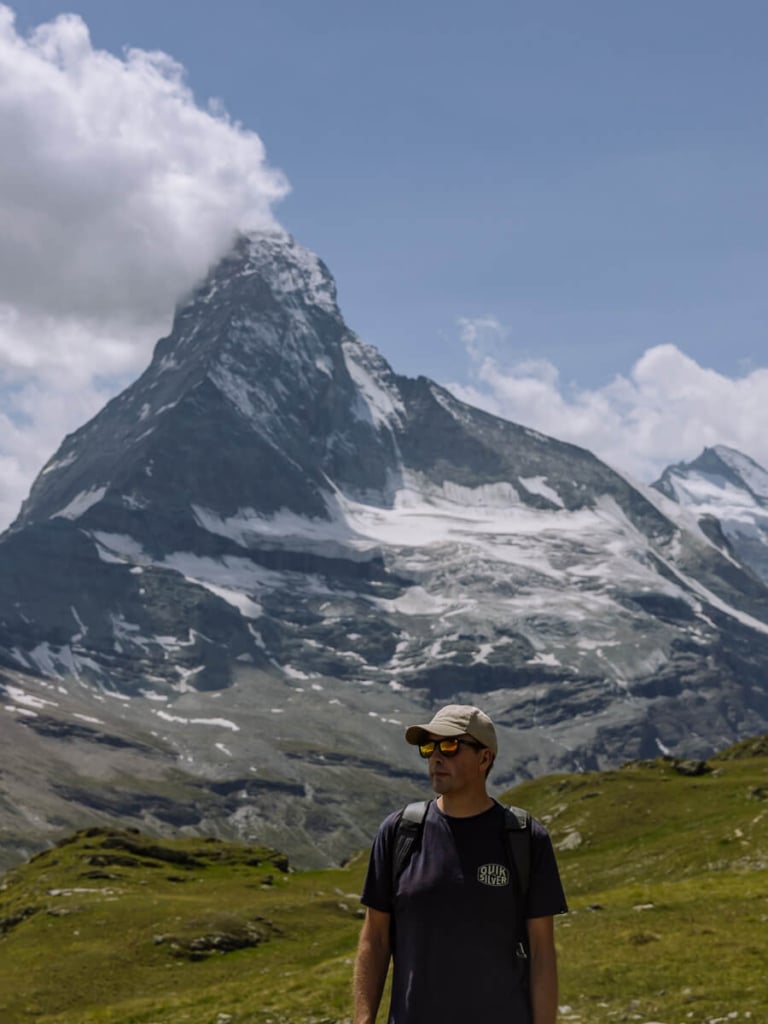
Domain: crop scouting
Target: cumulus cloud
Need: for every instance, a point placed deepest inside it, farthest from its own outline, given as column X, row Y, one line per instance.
column 117, row 192
column 666, row 410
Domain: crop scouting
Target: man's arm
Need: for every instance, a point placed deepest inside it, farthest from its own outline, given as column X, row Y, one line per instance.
column 543, row 969
column 371, row 965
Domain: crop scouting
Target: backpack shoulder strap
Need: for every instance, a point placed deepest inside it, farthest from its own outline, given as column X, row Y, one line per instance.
column 407, row 835
column 517, row 829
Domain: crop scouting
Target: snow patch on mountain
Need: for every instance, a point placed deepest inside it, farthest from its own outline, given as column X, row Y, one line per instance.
column 415, row 601
column 491, row 514
column 229, row 572
column 119, row 548
column 247, row 527
column 220, row 723
column 81, row 503
column 55, row 464
column 20, row 696
column 545, row 659
column 248, row 609
column 539, row 485
column 372, row 378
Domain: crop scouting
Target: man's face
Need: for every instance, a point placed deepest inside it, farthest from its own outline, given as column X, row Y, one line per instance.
column 462, row 771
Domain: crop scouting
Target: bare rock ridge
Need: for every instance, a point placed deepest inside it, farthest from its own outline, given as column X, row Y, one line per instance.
column 227, row 591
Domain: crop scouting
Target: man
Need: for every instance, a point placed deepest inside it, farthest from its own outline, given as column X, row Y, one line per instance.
column 463, row 948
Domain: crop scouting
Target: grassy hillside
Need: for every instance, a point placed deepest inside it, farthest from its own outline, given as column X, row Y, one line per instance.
column 665, row 873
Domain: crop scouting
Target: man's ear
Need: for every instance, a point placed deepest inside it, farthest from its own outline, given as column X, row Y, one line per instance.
column 486, row 757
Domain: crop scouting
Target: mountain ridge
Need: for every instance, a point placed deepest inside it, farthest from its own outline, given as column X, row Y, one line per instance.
column 271, row 550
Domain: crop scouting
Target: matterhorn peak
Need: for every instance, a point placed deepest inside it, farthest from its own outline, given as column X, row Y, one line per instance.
column 294, row 276
column 259, row 381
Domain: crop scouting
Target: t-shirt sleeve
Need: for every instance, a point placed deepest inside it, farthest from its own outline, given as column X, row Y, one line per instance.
column 546, row 897
column 377, row 888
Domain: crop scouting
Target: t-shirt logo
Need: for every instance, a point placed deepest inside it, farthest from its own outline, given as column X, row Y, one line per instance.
column 493, row 874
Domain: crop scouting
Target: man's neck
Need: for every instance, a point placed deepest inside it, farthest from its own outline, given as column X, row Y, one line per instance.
column 464, row 805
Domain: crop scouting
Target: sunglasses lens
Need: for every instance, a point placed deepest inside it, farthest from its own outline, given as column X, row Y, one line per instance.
column 446, row 747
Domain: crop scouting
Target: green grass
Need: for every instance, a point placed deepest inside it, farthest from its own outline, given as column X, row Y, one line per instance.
column 666, row 876
column 668, row 890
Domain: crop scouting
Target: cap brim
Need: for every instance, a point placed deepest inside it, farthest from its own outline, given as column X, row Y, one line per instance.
column 416, row 734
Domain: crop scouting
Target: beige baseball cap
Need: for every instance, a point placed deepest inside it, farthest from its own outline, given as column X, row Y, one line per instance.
column 456, row 720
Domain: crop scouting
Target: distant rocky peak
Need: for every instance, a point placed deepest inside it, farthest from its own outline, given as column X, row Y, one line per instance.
column 717, row 469
column 748, row 472
column 728, row 492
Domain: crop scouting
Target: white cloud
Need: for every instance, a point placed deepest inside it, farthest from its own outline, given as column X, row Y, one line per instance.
column 117, row 191
column 666, row 410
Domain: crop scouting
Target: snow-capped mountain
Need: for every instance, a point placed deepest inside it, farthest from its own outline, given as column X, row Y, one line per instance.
column 725, row 487
column 227, row 592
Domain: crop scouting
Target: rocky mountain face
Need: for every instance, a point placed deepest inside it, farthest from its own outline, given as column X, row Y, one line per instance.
column 728, row 492
column 227, row 593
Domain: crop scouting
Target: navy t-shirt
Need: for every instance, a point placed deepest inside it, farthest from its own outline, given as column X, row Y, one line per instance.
column 455, row 929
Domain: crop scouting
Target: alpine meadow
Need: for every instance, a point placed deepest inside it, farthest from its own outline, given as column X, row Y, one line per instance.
column 664, row 862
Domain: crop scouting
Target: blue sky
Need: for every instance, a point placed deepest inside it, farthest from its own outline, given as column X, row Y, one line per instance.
column 593, row 174
column 562, row 199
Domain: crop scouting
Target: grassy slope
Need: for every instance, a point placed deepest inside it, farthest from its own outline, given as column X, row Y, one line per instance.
column 666, row 878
